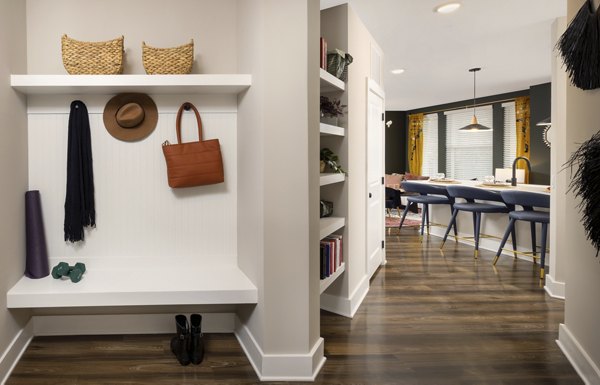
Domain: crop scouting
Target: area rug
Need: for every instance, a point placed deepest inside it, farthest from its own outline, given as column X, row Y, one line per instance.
column 393, row 219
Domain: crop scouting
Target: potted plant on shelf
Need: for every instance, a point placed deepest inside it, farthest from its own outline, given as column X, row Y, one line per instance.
column 331, row 110
column 329, row 158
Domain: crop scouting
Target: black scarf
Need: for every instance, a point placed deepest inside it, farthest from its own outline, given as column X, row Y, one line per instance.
column 79, row 202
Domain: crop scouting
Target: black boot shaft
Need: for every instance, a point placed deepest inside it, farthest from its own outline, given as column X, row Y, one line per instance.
column 197, row 342
column 180, row 344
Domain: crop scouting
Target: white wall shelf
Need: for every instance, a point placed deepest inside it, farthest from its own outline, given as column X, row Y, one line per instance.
column 330, row 224
column 111, row 84
column 136, row 282
column 326, row 282
column 330, row 83
column 330, row 178
column 328, row 129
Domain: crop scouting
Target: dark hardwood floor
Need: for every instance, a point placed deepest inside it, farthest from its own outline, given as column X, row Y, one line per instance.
column 429, row 318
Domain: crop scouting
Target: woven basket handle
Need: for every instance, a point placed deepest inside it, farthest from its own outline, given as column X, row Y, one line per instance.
column 187, row 106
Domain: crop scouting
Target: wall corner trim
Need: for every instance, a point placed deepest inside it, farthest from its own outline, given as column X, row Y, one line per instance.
column 346, row 306
column 554, row 288
column 14, row 351
column 280, row 367
column 584, row 365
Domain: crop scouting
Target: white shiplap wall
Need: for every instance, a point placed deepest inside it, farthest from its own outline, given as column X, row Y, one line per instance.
column 138, row 214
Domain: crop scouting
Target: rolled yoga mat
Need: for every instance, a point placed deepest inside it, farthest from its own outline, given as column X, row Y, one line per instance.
column 36, row 263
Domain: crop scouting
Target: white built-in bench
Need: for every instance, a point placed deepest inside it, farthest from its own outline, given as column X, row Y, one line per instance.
column 137, row 282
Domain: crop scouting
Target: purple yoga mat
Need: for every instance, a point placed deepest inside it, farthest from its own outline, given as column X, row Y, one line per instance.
column 36, row 263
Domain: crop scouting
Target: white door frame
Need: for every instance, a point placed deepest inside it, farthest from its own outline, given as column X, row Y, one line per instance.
column 375, row 88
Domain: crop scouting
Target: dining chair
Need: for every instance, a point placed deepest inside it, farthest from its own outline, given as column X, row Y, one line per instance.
column 477, row 201
column 425, row 194
column 528, row 201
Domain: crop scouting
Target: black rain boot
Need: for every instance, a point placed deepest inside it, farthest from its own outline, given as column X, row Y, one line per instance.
column 197, row 344
column 180, row 344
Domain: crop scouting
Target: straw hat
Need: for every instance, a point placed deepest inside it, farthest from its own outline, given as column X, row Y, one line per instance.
column 130, row 116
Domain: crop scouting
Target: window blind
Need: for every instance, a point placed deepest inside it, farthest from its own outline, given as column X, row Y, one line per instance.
column 469, row 154
column 430, row 145
column 510, row 134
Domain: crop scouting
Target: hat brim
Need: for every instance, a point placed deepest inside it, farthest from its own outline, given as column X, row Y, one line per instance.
column 138, row 132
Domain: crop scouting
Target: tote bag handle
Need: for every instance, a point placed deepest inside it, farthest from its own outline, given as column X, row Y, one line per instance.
column 187, row 106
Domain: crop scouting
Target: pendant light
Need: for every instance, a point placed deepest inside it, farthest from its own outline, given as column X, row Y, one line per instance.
column 474, row 126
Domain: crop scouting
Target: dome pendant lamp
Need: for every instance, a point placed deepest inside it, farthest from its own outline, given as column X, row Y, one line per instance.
column 474, row 126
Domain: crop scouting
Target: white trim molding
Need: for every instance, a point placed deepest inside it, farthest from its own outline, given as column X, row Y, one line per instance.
column 581, row 361
column 280, row 367
column 554, row 288
column 346, row 306
column 14, row 351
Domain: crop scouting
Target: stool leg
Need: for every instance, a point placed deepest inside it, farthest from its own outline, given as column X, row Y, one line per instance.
column 533, row 248
column 423, row 218
column 427, row 217
column 513, row 232
column 543, row 252
column 404, row 214
column 452, row 221
column 476, row 232
column 509, row 230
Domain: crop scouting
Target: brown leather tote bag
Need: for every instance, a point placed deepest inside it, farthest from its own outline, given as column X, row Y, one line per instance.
column 193, row 163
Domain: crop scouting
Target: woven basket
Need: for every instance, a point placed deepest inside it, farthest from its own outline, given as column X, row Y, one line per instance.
column 177, row 60
column 92, row 58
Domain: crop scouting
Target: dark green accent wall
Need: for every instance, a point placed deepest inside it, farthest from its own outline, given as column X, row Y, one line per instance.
column 540, row 103
column 395, row 142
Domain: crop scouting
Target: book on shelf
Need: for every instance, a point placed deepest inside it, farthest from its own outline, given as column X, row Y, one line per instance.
column 323, row 56
column 331, row 255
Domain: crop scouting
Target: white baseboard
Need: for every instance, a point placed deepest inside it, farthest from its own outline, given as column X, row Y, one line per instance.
column 64, row 325
column 554, row 288
column 581, row 361
column 14, row 351
column 346, row 307
column 280, row 367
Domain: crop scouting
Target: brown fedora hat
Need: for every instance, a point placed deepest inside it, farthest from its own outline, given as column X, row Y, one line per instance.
column 130, row 116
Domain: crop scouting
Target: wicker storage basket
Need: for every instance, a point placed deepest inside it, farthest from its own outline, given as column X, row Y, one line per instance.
column 177, row 60
column 92, row 58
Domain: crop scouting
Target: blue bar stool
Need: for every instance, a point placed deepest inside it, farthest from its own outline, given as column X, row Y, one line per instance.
column 527, row 200
column 472, row 197
column 428, row 194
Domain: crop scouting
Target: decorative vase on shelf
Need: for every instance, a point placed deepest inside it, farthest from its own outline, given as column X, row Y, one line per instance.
column 322, row 166
column 328, row 119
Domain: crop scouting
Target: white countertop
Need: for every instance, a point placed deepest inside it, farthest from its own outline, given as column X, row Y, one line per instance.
column 537, row 188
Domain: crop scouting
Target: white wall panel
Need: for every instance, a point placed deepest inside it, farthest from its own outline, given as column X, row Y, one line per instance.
column 137, row 213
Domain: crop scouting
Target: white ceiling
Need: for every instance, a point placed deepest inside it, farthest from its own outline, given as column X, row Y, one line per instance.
column 509, row 39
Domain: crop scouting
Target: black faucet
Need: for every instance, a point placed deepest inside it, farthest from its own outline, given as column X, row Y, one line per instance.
column 513, row 180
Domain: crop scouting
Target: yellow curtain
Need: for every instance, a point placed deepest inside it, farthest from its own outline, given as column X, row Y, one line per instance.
column 523, row 114
column 415, row 143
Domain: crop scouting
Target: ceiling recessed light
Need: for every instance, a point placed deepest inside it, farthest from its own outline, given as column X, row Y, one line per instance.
column 447, row 8
column 397, row 71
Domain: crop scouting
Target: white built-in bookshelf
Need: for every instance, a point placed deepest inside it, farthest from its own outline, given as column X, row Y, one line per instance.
column 329, row 225
column 332, row 184
column 328, row 129
column 330, row 83
column 330, row 178
column 326, row 282
column 152, row 245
